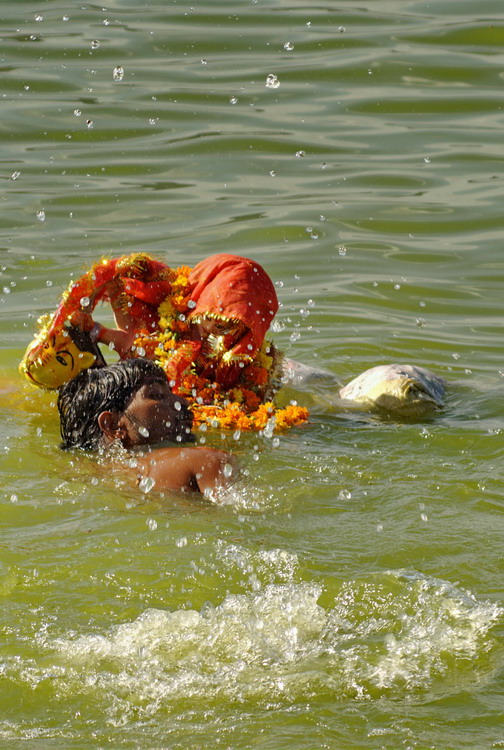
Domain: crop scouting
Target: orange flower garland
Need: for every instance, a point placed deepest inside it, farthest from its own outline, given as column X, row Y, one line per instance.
column 242, row 407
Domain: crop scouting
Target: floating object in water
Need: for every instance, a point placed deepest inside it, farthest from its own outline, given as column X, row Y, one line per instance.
column 298, row 374
column 205, row 326
column 402, row 390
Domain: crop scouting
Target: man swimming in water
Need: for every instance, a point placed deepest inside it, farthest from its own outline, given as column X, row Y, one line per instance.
column 131, row 403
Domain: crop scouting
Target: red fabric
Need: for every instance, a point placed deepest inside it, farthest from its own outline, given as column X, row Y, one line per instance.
column 229, row 286
column 136, row 274
column 151, row 292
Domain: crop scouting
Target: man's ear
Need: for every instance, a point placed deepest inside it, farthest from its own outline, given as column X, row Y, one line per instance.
column 108, row 422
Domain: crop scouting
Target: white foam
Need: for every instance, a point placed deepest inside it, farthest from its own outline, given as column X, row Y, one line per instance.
column 390, row 634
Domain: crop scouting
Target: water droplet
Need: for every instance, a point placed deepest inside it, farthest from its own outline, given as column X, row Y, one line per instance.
column 300, row 154
column 41, row 215
column 89, row 123
column 95, row 44
column 227, row 470
column 146, row 484
column 39, row 17
column 427, row 159
column 288, row 46
column 424, row 517
column 341, row 29
column 272, row 173
column 118, row 73
column 272, row 81
column 311, row 303
column 84, row 302
column 236, row 434
column 77, row 112
column 420, row 322
column 143, row 431
column 233, row 100
column 177, row 405
column 191, row 304
column 13, row 498
column 152, row 523
column 344, row 495
column 397, row 286
column 295, row 336
column 15, row 175
column 140, row 351
column 275, row 442
column 182, row 542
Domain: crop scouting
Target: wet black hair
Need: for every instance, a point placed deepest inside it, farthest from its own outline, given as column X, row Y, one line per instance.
column 110, row 388
column 84, row 342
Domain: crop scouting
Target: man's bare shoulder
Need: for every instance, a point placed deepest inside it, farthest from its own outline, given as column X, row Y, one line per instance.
column 190, row 468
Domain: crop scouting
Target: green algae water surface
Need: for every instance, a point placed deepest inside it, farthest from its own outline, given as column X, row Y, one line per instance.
column 348, row 593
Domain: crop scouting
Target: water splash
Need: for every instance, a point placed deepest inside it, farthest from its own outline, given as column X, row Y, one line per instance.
column 146, row 484
column 272, row 81
column 393, row 634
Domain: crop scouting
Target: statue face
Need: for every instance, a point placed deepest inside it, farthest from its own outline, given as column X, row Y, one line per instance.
column 50, row 363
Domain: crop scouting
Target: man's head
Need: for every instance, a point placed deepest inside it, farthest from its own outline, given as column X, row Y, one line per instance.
column 129, row 401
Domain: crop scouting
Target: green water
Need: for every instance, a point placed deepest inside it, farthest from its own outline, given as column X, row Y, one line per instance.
column 348, row 593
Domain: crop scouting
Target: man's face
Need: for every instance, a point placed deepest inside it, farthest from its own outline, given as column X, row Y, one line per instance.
column 155, row 414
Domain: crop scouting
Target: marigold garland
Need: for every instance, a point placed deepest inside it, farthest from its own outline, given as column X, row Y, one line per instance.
column 245, row 406
column 233, row 416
